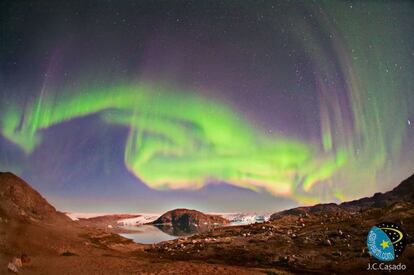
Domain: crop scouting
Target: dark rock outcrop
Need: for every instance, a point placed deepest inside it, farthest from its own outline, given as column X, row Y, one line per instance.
column 188, row 217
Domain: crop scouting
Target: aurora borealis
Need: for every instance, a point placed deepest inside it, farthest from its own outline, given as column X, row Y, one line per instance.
column 178, row 141
column 221, row 105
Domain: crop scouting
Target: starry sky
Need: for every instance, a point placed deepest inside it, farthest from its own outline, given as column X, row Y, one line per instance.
column 145, row 106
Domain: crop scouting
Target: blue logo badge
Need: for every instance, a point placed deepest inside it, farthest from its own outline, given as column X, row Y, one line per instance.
column 386, row 241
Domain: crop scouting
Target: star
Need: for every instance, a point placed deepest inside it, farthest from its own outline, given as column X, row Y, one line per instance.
column 384, row 244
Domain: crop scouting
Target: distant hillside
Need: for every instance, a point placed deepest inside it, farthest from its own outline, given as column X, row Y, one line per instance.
column 187, row 217
column 404, row 192
column 105, row 221
column 20, row 201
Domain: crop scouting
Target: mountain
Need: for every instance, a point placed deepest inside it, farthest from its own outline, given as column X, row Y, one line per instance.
column 187, row 217
column 404, row 192
column 19, row 201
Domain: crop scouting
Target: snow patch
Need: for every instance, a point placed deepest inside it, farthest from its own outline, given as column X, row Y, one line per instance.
column 143, row 219
column 234, row 218
column 77, row 216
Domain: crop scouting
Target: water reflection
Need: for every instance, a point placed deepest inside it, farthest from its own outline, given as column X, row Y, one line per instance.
column 182, row 230
column 147, row 234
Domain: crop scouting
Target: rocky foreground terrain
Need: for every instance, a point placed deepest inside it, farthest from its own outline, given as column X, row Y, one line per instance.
column 325, row 238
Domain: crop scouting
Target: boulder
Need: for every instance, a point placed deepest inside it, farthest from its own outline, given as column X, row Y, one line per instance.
column 12, row 267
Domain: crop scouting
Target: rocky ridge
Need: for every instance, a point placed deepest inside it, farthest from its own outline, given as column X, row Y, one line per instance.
column 19, row 201
column 187, row 217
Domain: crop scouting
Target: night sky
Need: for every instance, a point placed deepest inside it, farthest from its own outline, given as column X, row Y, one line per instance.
column 213, row 105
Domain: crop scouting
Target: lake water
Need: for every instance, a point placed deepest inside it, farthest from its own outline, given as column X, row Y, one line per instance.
column 148, row 234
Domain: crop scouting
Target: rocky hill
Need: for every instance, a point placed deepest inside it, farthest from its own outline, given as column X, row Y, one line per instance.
column 37, row 239
column 188, row 217
column 404, row 192
column 328, row 208
column 20, row 201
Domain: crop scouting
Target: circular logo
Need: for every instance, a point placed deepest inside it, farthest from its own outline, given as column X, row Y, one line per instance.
column 386, row 241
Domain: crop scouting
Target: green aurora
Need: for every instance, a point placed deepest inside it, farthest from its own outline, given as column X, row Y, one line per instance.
column 181, row 139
